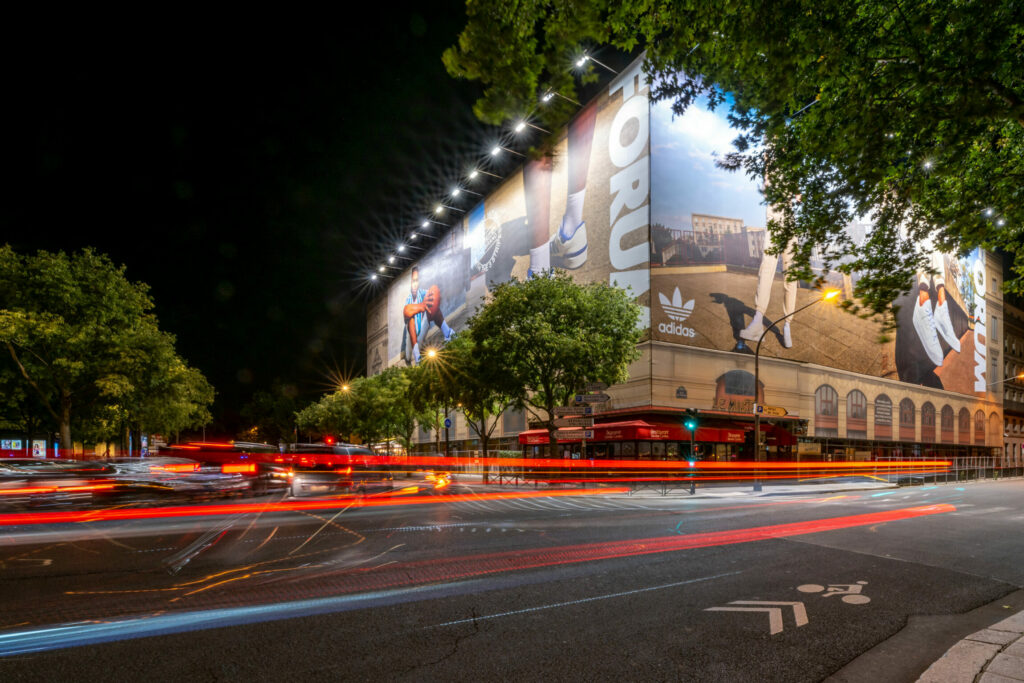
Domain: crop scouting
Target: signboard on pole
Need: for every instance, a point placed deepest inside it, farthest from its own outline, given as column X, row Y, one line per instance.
column 568, row 433
column 574, row 422
column 772, row 411
column 574, row 410
column 595, row 386
column 592, row 398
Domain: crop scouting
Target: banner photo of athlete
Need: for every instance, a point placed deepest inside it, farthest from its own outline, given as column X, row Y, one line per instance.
column 712, row 285
column 584, row 209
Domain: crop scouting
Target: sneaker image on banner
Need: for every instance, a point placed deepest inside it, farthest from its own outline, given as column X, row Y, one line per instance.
column 567, row 248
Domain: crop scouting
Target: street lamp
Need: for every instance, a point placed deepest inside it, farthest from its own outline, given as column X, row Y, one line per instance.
column 1008, row 379
column 431, row 355
column 827, row 296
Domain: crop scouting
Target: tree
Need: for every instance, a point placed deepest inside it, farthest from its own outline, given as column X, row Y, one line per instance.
column 272, row 413
column 540, row 341
column 85, row 342
column 464, row 373
column 332, row 414
column 377, row 408
column 910, row 112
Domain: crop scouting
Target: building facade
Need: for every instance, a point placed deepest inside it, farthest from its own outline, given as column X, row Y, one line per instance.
column 1013, row 389
column 632, row 196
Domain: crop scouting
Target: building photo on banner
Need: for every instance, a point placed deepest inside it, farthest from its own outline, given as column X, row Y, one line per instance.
column 632, row 196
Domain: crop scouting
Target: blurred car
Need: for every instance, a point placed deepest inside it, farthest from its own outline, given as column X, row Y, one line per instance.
column 181, row 477
column 38, row 482
column 338, row 468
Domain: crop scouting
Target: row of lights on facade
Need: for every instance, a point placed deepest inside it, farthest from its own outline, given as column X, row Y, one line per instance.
column 440, row 208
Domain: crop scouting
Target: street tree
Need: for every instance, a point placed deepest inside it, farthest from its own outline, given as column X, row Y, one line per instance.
column 85, row 342
column 272, row 412
column 911, row 114
column 466, row 371
column 541, row 341
column 433, row 391
column 332, row 414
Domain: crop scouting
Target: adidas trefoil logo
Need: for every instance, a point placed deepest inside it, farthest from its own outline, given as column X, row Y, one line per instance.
column 675, row 309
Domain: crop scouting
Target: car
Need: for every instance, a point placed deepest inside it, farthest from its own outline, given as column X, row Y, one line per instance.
column 38, row 482
column 338, row 468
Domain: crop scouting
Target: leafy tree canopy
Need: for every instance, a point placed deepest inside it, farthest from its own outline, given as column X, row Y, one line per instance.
column 540, row 341
column 912, row 113
column 84, row 341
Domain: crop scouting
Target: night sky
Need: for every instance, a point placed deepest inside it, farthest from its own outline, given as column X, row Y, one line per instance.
column 252, row 171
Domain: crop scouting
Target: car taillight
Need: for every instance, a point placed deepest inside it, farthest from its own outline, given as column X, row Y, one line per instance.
column 238, row 468
column 184, row 467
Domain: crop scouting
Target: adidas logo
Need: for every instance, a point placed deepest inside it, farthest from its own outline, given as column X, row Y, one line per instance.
column 676, row 309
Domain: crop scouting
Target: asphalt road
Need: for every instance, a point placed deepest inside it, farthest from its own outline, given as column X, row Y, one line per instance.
column 545, row 587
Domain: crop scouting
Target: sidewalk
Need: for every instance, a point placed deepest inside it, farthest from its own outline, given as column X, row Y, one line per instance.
column 991, row 655
column 682, row 490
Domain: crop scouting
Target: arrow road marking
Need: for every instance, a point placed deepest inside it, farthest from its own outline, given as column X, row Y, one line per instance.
column 774, row 613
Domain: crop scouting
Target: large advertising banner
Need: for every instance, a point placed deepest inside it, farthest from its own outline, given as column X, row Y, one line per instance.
column 713, row 286
column 584, row 208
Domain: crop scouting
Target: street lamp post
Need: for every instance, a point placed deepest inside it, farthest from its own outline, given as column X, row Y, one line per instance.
column 828, row 296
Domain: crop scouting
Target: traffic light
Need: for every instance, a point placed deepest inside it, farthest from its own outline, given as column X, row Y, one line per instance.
column 329, row 440
column 690, row 421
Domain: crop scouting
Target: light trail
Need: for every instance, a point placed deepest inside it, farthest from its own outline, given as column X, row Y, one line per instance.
column 445, row 576
column 120, row 514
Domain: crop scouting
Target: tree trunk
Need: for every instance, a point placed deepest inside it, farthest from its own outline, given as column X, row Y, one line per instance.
column 66, row 449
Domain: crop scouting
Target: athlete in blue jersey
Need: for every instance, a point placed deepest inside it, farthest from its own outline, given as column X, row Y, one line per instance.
column 422, row 306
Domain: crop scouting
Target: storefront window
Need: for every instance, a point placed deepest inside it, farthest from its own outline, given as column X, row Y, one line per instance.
column 928, row 422
column 947, row 424
column 908, row 415
column 658, row 449
column 856, row 415
column 826, row 411
column 979, row 428
column 644, row 449
column 628, row 449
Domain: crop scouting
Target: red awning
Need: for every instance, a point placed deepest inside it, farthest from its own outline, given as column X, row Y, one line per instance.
column 635, row 430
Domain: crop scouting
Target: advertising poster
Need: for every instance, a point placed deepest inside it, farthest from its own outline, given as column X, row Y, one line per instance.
column 712, row 285
column 584, row 208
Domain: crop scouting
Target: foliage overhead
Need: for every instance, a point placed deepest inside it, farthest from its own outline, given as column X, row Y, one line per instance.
column 910, row 113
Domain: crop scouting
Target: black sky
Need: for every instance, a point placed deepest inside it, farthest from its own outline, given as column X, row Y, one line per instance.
column 250, row 174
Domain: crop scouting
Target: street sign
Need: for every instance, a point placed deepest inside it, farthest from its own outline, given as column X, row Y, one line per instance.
column 568, row 433
column 574, row 422
column 588, row 434
column 772, row 411
column 592, row 398
column 574, row 410
column 596, row 386
column 447, row 422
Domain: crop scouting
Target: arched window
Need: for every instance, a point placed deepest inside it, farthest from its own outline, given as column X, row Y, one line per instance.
column 856, row 415
column 948, row 420
column 928, row 422
column 908, row 415
column 883, row 417
column 994, row 435
column 964, row 426
column 826, row 411
column 979, row 428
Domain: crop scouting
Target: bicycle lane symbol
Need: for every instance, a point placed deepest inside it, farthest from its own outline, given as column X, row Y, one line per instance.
column 851, row 592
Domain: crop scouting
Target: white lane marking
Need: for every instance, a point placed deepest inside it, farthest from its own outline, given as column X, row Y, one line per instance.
column 584, row 600
column 774, row 613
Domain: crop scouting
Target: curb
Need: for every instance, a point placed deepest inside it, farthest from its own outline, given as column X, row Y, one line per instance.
column 995, row 653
